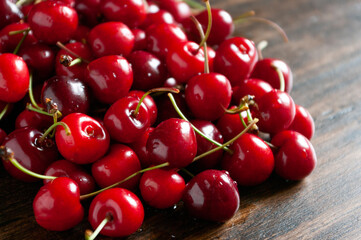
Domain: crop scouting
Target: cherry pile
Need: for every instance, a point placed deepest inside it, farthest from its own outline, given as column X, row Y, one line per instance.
column 120, row 100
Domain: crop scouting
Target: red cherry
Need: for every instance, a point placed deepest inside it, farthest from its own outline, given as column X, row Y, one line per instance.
column 81, row 34
column 119, row 163
column 212, row 195
column 139, row 146
column 208, row 95
column 33, row 119
column 111, row 38
column 166, row 109
column 9, row 13
column 158, row 17
column 124, row 208
column 53, row 21
column 161, row 188
column 2, row 136
column 179, row 9
column 109, row 77
column 89, row 11
column 149, row 102
column 9, row 42
column 303, row 122
column 172, row 141
column 57, row 205
column 231, row 124
column 14, row 78
column 87, row 142
column 252, row 86
column 235, row 58
column 252, row 160
column 140, row 39
column 295, row 157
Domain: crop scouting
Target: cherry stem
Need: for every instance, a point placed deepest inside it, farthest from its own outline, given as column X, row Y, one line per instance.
column 187, row 172
column 250, row 125
column 209, row 27
column 32, row 108
column 205, row 50
column 5, row 109
column 280, row 76
column 237, row 110
column 161, row 89
column 31, row 95
column 26, row 32
column 19, row 31
column 242, row 120
column 62, row 46
column 194, row 4
column 89, row 235
column 124, row 180
column 22, row 2
column 50, row 129
column 260, row 47
column 75, row 62
column 273, row 147
column 194, row 128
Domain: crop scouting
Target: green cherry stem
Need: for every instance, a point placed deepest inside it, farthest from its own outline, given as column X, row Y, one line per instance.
column 23, row 2
column 19, row 31
column 194, row 128
column 25, row 34
column 75, row 62
column 260, row 47
column 89, row 235
column 209, row 27
column 250, row 125
column 34, row 109
column 31, row 94
column 62, row 46
column 5, row 109
column 124, row 180
column 194, row 4
column 280, row 76
column 50, row 129
column 205, row 50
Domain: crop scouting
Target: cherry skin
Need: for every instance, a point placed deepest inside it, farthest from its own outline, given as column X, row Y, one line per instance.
column 158, row 17
column 64, row 168
column 2, row 136
column 9, row 13
column 252, row 160
column 172, row 141
column 9, row 42
column 179, row 9
column 235, row 58
column 212, row 195
column 33, row 119
column 88, row 140
column 265, row 70
column 140, row 39
column 122, row 124
column 139, row 146
column 57, row 205
column 81, row 34
column 303, row 122
column 148, row 102
column 295, row 157
column 109, row 77
column 88, row 11
column 161, row 188
column 122, row 206
column 14, row 78
column 252, row 86
column 231, row 124
column 111, row 38
column 30, row 152
column 119, row 163
column 69, row 94
column 53, row 21
column 275, row 111
column 208, row 95
column 166, row 109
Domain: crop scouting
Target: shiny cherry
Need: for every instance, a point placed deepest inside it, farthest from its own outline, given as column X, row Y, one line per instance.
column 139, row 146
column 252, row 86
column 179, row 9
column 33, row 119
column 212, row 195
column 149, row 103
column 140, row 39
column 303, row 122
column 158, row 17
column 231, row 124
column 9, row 13
column 166, row 109
column 9, row 42
column 88, row 11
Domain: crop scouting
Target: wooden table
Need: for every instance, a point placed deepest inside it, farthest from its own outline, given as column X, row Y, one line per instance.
column 324, row 53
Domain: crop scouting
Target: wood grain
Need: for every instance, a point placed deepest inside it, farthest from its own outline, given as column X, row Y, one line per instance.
column 324, row 53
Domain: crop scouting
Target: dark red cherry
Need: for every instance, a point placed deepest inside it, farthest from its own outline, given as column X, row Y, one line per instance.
column 158, row 17
column 69, row 94
column 275, row 111
column 57, row 205
column 109, row 77
column 9, row 42
column 149, row 102
column 140, row 39
column 172, row 141
column 64, row 168
column 88, row 11
column 303, row 122
column 252, row 160
column 208, row 95
column 9, row 13
column 81, row 34
column 88, row 140
column 161, row 188
column 265, row 70
column 119, row 163
column 124, row 209
column 166, row 109
column 148, row 71
column 211, row 195
column 230, row 125
column 252, row 86
column 130, row 12
column 295, row 157
column 33, row 119
column 121, row 122
column 14, row 78
column 235, row 58
column 139, row 146
column 111, row 38
column 2, row 136
column 53, row 21
column 179, row 9
column 30, row 151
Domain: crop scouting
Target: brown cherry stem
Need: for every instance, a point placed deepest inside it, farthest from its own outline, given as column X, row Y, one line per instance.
column 280, row 76
column 90, row 235
column 62, row 46
column 5, row 109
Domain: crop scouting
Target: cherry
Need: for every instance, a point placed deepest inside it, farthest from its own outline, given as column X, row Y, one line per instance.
column 123, row 209
column 8, row 41
column 30, row 150
column 139, row 146
column 208, row 95
column 69, row 94
column 166, row 109
column 303, row 122
column 140, row 39
column 179, row 9
column 265, row 69
column 161, row 188
column 123, row 124
column 252, row 160
column 252, row 86
column 14, row 78
column 172, row 141
column 9, row 13
column 158, row 17
column 2, row 136
column 33, row 119
column 148, row 71
column 111, row 38
column 235, row 58
column 88, row 11
column 87, row 142
column 53, row 21
column 295, row 157
column 212, row 195
column 231, row 124
column 57, row 205
column 275, row 110
column 81, row 34
column 130, row 12
column 109, row 77
column 149, row 102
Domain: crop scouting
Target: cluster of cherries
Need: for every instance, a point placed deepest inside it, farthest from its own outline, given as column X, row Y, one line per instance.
column 108, row 86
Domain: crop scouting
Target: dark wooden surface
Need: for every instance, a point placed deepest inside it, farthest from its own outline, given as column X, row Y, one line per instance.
column 324, row 53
